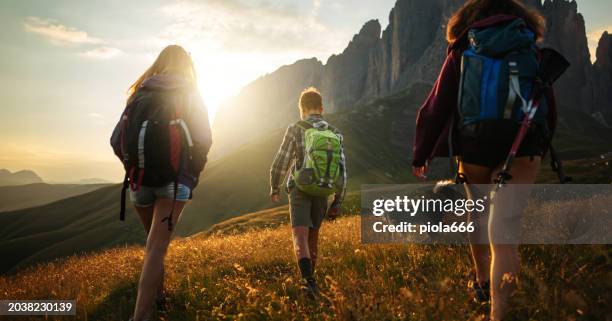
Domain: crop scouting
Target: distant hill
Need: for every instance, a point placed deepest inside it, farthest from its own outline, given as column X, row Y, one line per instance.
column 31, row 195
column 89, row 181
column 69, row 226
column 18, row 178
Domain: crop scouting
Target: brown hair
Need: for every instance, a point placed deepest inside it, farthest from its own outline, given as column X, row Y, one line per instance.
column 310, row 99
column 173, row 60
column 474, row 10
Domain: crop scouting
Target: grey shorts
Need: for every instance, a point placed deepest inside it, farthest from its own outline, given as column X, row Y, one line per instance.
column 306, row 210
column 146, row 196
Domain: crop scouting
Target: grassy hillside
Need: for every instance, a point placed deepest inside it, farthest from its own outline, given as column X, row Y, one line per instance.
column 69, row 226
column 25, row 196
column 378, row 145
column 252, row 276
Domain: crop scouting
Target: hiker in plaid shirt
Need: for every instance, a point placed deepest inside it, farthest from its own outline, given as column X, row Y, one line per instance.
column 306, row 212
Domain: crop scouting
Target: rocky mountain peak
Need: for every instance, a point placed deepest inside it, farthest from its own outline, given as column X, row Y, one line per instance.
column 604, row 52
column 566, row 33
column 603, row 79
column 410, row 51
column 369, row 33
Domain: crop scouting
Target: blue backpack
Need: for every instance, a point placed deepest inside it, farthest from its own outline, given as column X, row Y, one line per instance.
column 498, row 71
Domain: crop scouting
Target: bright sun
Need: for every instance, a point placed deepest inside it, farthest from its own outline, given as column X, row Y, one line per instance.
column 218, row 80
column 222, row 75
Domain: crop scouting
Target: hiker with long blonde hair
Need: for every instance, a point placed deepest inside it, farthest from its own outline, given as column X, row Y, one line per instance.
column 162, row 139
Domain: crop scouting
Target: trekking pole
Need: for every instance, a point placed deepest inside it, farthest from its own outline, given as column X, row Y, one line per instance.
column 552, row 66
column 557, row 167
column 504, row 175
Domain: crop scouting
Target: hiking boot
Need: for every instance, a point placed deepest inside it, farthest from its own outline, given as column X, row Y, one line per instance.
column 482, row 292
column 309, row 288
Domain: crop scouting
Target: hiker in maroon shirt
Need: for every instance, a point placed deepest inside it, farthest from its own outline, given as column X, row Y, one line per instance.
column 481, row 158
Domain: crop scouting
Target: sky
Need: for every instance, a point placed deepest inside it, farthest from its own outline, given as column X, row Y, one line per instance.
column 65, row 65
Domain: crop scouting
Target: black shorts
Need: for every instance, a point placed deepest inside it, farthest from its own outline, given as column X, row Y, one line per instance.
column 488, row 144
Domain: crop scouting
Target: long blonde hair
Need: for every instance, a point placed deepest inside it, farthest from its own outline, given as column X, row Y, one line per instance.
column 173, row 60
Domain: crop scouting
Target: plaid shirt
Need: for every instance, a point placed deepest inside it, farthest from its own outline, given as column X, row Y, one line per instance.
column 291, row 156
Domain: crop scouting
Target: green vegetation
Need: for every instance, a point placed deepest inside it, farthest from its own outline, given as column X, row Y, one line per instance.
column 251, row 276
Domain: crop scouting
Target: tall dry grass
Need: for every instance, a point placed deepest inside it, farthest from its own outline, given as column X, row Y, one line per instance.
column 252, row 277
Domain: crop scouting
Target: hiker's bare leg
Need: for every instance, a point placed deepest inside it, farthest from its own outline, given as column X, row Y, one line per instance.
column 146, row 217
column 313, row 245
column 479, row 242
column 155, row 252
column 505, row 257
column 300, row 242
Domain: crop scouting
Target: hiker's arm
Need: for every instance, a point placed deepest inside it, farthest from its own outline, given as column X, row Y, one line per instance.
column 281, row 162
column 433, row 116
column 199, row 128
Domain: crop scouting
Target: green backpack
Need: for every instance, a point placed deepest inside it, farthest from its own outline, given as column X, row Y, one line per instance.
column 320, row 171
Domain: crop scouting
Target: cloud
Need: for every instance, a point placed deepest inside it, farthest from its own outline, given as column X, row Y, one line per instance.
column 238, row 26
column 62, row 35
column 58, row 33
column 102, row 53
column 593, row 40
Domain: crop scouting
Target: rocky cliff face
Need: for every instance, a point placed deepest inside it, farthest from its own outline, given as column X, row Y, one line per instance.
column 565, row 32
column 410, row 46
column 410, row 51
column 603, row 79
column 343, row 78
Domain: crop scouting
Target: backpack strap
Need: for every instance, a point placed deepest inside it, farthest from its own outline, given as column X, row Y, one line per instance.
column 332, row 128
column 513, row 76
column 122, row 139
column 514, row 90
column 304, row 125
column 329, row 154
column 123, row 191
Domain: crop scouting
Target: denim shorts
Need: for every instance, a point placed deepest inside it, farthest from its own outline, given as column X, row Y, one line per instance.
column 146, row 196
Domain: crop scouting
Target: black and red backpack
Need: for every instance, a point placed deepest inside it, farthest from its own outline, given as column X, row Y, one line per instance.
column 155, row 142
